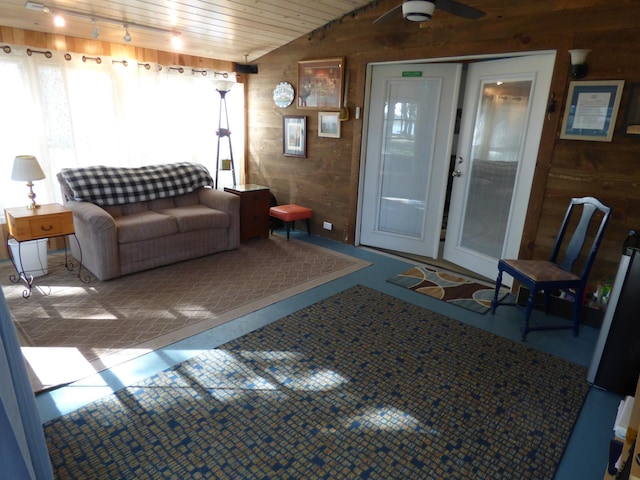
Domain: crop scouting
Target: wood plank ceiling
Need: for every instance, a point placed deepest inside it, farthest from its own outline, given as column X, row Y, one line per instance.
column 234, row 30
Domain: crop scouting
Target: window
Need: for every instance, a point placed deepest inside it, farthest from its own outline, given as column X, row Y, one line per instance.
column 72, row 111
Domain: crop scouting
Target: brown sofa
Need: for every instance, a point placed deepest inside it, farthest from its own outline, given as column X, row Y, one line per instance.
column 163, row 225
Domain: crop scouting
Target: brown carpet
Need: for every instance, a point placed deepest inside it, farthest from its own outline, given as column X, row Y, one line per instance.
column 79, row 329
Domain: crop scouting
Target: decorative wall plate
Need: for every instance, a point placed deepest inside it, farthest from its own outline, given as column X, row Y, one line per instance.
column 283, row 94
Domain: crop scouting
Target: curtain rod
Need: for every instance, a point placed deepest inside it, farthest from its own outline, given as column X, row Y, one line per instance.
column 67, row 56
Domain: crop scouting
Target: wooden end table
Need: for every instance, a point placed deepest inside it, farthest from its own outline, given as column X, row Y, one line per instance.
column 254, row 210
column 46, row 221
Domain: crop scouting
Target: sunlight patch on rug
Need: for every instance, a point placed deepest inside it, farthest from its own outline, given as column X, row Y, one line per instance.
column 102, row 324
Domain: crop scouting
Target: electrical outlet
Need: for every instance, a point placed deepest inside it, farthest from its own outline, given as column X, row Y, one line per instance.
column 327, row 225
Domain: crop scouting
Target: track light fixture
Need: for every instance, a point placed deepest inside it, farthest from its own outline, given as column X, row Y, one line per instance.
column 58, row 20
column 176, row 41
column 58, row 13
column 95, row 32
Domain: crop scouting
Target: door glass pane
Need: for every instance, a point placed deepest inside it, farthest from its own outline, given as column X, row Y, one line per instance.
column 498, row 139
column 408, row 135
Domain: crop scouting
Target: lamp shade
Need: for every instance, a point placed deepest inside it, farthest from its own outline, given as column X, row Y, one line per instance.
column 579, row 66
column 26, row 168
column 223, row 85
column 578, row 56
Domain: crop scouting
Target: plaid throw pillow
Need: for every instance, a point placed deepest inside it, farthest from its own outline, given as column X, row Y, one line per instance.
column 116, row 186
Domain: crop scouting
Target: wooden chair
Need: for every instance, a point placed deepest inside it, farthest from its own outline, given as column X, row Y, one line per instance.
column 547, row 276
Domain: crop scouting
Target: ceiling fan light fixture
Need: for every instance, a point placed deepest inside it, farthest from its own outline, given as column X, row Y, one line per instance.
column 418, row 10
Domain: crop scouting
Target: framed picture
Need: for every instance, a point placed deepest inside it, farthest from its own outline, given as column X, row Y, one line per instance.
column 320, row 84
column 294, row 135
column 591, row 110
column 329, row 124
column 632, row 122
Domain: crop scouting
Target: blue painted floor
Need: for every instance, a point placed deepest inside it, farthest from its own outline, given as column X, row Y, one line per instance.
column 587, row 452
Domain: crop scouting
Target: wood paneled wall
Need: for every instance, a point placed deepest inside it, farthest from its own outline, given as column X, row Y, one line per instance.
column 327, row 180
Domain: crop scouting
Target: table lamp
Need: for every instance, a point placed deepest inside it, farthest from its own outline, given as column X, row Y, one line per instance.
column 26, row 168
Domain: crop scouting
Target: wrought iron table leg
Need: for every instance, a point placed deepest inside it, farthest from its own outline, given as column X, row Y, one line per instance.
column 69, row 264
column 21, row 275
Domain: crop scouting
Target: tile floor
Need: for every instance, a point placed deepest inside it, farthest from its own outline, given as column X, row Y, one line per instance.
column 587, row 451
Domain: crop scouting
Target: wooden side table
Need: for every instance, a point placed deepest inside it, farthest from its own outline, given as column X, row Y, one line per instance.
column 47, row 221
column 254, row 210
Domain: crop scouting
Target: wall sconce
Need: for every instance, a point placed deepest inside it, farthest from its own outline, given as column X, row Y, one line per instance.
column 578, row 66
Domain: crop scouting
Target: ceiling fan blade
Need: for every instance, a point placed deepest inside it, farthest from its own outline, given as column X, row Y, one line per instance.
column 459, row 9
column 395, row 11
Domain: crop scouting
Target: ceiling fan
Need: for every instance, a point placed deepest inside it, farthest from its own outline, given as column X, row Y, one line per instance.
column 422, row 10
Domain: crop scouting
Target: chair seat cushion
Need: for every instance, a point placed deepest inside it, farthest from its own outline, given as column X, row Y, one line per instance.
column 540, row 270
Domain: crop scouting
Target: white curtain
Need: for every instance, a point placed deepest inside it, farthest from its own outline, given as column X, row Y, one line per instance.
column 72, row 110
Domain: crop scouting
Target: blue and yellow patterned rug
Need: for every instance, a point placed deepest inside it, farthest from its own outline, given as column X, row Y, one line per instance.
column 358, row 386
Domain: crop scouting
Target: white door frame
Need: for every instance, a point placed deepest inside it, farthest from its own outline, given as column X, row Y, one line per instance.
column 365, row 124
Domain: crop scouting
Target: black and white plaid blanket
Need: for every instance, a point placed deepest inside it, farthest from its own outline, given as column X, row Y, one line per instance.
column 115, row 185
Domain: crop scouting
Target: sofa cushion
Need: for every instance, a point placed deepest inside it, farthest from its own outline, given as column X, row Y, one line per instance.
column 144, row 226
column 197, row 217
column 127, row 209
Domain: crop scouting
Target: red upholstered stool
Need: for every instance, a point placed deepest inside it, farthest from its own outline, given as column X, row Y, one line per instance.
column 289, row 214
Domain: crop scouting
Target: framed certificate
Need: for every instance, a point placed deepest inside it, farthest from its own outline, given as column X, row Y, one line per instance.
column 591, row 110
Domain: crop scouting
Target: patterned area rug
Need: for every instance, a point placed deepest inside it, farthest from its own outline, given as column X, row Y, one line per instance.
column 78, row 329
column 359, row 385
column 449, row 287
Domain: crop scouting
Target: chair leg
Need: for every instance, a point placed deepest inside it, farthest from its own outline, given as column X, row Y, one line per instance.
column 288, row 226
column 547, row 301
column 577, row 311
column 494, row 302
column 308, row 227
column 524, row 330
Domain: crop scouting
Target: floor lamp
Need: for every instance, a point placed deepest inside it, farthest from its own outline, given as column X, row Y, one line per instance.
column 223, row 87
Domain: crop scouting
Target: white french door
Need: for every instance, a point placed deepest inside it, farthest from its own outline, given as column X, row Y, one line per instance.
column 410, row 128
column 503, row 113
